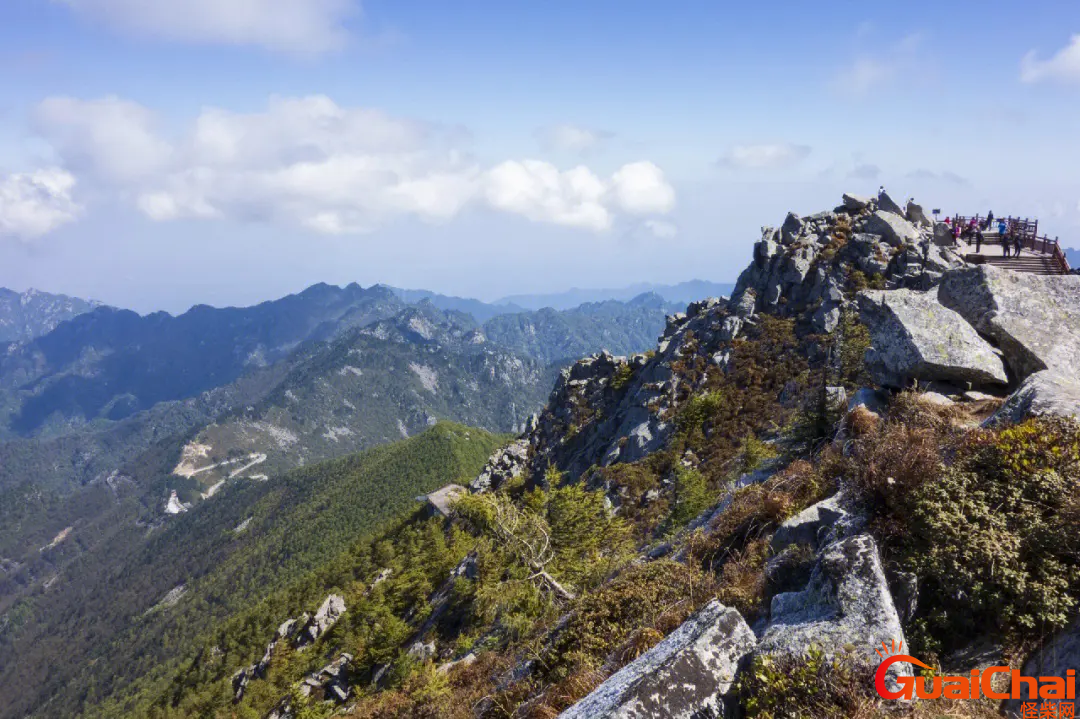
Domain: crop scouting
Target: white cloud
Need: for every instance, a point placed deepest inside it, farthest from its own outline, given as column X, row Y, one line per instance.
column 309, row 162
column 662, row 229
column 947, row 176
column 538, row 191
column 113, row 137
column 640, row 188
column 571, row 138
column 882, row 66
column 766, row 156
column 1063, row 66
column 300, row 26
column 865, row 171
column 863, row 75
column 35, row 203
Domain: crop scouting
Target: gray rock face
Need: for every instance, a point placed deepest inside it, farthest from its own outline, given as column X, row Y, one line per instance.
column 685, row 676
column 1053, row 660
column 504, row 464
column 846, row 604
column 329, row 612
column 1034, row 319
column 914, row 336
column 888, row 204
column 811, row 526
column 890, row 225
column 791, row 229
column 1047, row 393
column 916, row 216
column 856, row 202
column 943, row 236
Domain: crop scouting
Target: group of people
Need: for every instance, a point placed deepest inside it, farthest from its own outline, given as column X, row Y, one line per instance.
column 1012, row 240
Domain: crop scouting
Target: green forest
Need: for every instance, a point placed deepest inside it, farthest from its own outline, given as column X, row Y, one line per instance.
column 104, row 618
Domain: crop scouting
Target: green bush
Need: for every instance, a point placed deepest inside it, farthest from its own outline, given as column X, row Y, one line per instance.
column 808, row 687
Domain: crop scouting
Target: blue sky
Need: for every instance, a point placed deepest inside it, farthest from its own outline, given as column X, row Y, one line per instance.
column 158, row 153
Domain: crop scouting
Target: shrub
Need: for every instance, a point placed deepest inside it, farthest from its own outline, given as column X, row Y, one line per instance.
column 659, row 595
column 986, row 520
column 622, row 377
column 806, row 687
column 994, row 537
column 692, row 495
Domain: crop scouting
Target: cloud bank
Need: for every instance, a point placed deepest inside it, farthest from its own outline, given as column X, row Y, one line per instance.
column 332, row 169
column 765, row 156
column 33, row 204
column 296, row 26
column 1064, row 66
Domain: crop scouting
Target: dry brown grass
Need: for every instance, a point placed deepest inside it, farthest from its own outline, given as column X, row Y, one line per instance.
column 913, row 410
column 742, row 580
column 861, row 422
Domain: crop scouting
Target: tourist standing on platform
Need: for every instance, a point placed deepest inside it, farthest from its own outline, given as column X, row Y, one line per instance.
column 1005, row 242
column 989, row 219
column 978, row 241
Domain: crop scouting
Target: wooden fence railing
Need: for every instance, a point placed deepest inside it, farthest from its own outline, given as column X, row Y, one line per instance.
column 1028, row 230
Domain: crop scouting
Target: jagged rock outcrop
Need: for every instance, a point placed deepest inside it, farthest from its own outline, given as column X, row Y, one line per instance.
column 846, row 604
column 914, row 336
column 683, row 677
column 890, row 225
column 1034, row 319
column 887, row 203
column 505, row 464
column 1049, row 393
column 329, row 683
column 607, row 409
column 329, row 612
column 916, row 216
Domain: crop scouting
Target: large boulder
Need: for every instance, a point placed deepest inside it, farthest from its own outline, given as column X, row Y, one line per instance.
column 845, row 608
column 890, row 225
column 913, row 336
column 916, row 216
column 791, row 229
column 1034, row 319
column 856, row 202
column 887, row 203
column 1047, row 393
column 811, row 526
column 1061, row 654
column 686, row 675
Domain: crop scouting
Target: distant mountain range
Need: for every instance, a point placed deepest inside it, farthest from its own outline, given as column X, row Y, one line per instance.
column 108, row 414
column 1073, row 256
column 30, row 314
column 682, row 293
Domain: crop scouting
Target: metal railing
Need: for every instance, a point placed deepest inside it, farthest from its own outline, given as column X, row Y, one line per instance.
column 1028, row 231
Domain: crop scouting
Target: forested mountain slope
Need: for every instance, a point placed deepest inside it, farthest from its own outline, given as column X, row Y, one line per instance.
column 251, row 553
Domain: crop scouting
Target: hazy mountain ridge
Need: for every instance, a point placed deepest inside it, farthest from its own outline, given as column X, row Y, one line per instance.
column 112, row 363
column 681, row 293
column 30, row 314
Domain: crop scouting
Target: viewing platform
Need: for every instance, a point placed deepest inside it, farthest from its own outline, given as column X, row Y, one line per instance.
column 1038, row 255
